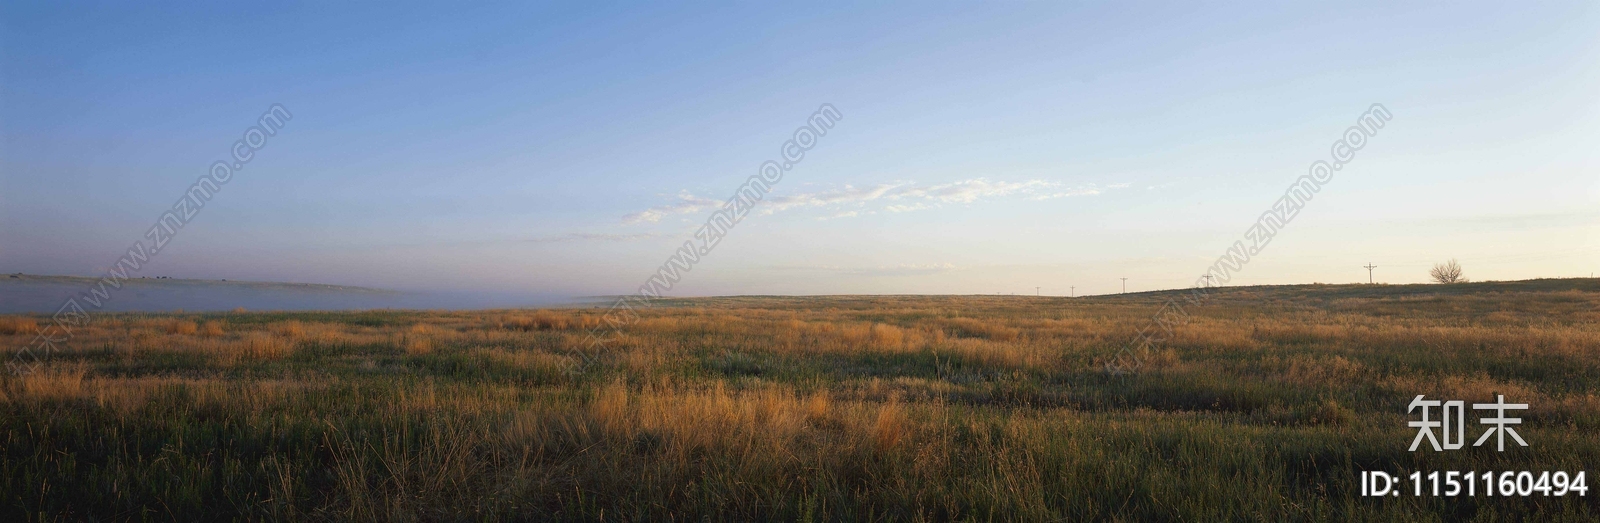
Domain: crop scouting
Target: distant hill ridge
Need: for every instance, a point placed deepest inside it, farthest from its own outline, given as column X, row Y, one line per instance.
column 162, row 280
column 1311, row 291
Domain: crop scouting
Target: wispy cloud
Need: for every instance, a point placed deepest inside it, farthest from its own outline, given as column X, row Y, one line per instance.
column 849, row 194
column 968, row 191
column 908, row 208
column 898, row 197
column 904, row 269
column 846, row 214
column 584, row 236
column 687, row 203
column 1083, row 190
column 1088, row 191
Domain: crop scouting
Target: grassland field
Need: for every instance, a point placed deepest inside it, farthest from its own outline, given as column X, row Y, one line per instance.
column 1264, row 406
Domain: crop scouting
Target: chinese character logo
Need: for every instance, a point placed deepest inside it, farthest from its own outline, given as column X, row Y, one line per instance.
column 1453, row 422
column 1500, row 421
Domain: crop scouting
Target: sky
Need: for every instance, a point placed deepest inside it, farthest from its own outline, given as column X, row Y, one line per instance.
column 1002, row 147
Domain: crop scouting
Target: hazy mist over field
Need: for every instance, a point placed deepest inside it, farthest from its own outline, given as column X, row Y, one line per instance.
column 45, row 294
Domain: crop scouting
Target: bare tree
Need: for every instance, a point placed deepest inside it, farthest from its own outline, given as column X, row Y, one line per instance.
column 1447, row 272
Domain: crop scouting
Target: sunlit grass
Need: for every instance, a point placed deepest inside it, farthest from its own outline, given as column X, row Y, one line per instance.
column 1264, row 406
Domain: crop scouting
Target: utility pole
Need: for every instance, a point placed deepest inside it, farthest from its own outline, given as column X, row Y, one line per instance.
column 1208, row 279
column 1369, row 266
column 1072, row 291
column 1124, row 285
column 1035, row 291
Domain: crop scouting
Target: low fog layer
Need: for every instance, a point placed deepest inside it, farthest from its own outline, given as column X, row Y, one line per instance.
column 21, row 293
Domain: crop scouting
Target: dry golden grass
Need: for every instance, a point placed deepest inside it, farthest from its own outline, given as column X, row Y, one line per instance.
column 212, row 329
column 289, row 329
column 973, row 327
column 182, row 327
column 263, row 346
column 548, row 320
column 17, row 325
column 889, row 426
column 1263, row 405
column 52, row 384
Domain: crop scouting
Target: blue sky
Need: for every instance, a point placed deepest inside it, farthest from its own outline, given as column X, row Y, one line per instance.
column 985, row 148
